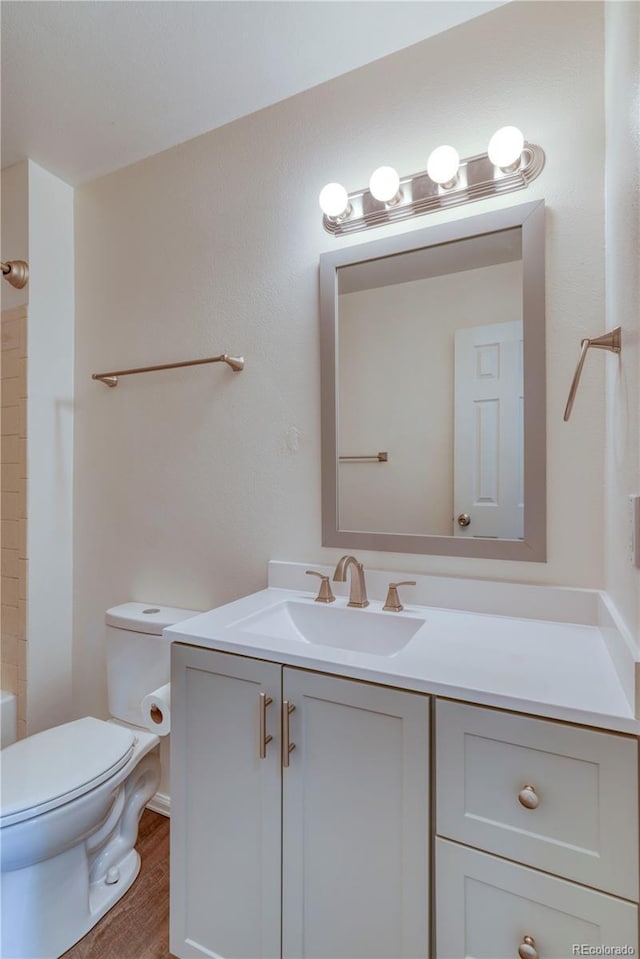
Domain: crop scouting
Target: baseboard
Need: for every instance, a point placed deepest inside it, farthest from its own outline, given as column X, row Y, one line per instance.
column 161, row 803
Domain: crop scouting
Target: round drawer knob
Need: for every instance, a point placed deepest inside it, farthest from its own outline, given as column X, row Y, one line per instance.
column 527, row 948
column 528, row 798
column 464, row 519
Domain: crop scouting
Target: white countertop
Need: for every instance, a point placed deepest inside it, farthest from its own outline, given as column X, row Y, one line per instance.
column 557, row 670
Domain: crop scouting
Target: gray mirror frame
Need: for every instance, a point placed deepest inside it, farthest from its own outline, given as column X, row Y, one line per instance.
column 530, row 217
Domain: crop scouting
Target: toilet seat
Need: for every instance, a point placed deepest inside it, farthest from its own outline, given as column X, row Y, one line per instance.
column 56, row 766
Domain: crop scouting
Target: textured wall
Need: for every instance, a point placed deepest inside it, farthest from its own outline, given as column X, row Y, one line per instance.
column 622, row 244
column 188, row 482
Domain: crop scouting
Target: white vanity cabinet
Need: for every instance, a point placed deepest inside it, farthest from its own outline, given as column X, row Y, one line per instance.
column 530, row 793
column 325, row 857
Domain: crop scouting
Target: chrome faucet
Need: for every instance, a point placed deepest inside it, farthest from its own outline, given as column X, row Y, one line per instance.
column 357, row 586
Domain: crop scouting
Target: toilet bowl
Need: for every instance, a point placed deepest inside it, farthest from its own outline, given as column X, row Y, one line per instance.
column 71, row 798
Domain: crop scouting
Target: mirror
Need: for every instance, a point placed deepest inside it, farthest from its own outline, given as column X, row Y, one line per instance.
column 433, row 390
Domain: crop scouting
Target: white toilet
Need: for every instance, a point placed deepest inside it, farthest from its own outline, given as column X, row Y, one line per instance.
column 71, row 798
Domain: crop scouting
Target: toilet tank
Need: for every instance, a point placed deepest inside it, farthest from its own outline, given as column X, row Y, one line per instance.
column 138, row 657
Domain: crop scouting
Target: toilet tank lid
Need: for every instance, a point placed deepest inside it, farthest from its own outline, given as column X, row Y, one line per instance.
column 57, row 765
column 146, row 617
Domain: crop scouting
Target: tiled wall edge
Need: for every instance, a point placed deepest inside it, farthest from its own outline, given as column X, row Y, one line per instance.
column 16, row 313
column 13, row 656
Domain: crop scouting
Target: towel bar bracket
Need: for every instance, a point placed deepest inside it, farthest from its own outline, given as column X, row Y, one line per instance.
column 611, row 341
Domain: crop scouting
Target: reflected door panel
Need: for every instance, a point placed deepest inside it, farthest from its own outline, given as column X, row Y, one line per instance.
column 488, row 458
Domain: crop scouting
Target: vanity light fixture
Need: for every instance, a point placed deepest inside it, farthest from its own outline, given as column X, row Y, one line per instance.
column 443, row 165
column 334, row 202
column 505, row 149
column 509, row 164
column 384, row 185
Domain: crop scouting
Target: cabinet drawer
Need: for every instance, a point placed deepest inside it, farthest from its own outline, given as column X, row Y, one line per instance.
column 486, row 907
column 579, row 818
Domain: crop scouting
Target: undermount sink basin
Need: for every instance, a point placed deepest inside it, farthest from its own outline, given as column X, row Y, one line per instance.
column 377, row 633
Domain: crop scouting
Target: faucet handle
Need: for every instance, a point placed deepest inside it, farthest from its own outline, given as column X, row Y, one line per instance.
column 393, row 603
column 324, row 595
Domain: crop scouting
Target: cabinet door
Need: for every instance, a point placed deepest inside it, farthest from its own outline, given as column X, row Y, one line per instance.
column 356, row 815
column 226, row 804
column 487, row 908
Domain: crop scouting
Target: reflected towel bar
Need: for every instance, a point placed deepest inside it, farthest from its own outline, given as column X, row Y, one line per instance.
column 373, row 458
column 611, row 341
column 111, row 378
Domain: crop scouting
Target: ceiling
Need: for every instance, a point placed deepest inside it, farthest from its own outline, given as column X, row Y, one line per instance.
column 89, row 86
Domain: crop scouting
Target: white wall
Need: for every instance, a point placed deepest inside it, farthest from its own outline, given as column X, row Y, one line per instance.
column 187, row 482
column 396, row 356
column 622, row 256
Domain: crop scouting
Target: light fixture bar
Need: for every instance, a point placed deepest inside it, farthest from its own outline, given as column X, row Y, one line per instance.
column 478, row 178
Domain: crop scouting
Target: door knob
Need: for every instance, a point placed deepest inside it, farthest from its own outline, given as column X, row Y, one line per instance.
column 464, row 519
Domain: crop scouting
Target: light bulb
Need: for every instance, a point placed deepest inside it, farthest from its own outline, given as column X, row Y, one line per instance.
column 384, row 184
column 442, row 165
column 334, row 200
column 505, row 148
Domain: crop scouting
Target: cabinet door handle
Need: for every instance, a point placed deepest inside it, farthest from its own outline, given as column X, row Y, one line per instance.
column 287, row 747
column 527, row 948
column 263, row 737
column 528, row 797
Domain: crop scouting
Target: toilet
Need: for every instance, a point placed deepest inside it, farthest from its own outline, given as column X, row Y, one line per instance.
column 71, row 798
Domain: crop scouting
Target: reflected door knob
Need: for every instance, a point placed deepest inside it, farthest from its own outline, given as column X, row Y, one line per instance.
column 464, row 519
column 527, row 948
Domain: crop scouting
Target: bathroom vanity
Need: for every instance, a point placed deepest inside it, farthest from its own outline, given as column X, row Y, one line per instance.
column 425, row 783
column 321, row 817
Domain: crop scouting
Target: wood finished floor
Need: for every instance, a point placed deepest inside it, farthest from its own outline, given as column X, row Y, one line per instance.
column 138, row 925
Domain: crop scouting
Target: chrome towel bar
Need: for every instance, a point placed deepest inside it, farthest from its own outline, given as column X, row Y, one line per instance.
column 111, row 378
column 611, row 341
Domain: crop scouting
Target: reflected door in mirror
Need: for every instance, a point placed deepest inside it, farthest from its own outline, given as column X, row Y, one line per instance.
column 488, row 424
